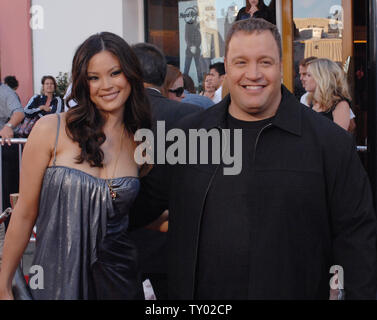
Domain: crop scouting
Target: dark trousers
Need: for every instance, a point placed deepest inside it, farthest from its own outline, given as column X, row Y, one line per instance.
column 10, row 176
column 188, row 60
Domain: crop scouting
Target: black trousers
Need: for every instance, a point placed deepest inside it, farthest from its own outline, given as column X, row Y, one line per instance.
column 188, row 60
column 10, row 176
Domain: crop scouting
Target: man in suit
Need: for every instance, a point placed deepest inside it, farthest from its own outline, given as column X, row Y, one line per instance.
column 151, row 244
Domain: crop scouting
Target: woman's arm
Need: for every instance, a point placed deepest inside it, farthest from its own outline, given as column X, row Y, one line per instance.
column 36, row 157
column 15, row 120
column 341, row 114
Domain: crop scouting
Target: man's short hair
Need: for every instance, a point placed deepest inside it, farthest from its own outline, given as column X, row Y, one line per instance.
column 253, row 25
column 11, row 82
column 219, row 67
column 305, row 62
column 153, row 63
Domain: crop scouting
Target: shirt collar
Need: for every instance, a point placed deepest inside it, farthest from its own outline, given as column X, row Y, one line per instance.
column 154, row 89
column 288, row 115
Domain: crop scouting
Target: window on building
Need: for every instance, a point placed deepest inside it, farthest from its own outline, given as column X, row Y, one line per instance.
column 318, row 29
column 192, row 33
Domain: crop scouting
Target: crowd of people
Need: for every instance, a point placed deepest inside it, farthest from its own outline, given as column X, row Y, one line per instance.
column 300, row 204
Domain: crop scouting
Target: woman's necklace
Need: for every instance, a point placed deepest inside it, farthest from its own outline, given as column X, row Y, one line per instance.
column 113, row 194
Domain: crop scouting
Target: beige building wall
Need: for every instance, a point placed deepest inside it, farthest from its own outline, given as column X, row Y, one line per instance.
column 64, row 25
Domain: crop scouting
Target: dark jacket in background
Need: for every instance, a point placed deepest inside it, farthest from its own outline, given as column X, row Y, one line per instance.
column 266, row 14
column 151, row 244
column 313, row 209
column 170, row 111
column 32, row 108
column 198, row 100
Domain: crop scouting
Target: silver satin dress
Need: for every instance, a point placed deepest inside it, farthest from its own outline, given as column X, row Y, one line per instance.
column 82, row 241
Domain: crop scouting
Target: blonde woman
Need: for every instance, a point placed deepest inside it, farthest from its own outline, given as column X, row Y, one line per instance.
column 328, row 91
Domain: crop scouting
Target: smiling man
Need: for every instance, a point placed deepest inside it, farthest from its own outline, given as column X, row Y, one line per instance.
column 254, row 72
column 300, row 208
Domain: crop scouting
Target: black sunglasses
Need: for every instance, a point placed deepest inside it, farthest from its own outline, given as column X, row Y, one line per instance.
column 178, row 92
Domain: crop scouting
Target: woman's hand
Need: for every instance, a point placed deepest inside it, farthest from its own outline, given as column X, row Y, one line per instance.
column 6, row 294
column 253, row 9
column 161, row 223
column 209, row 94
column 45, row 107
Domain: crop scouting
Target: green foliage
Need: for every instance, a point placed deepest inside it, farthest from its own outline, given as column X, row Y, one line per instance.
column 62, row 82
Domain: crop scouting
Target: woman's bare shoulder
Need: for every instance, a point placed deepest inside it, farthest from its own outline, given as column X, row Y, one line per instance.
column 50, row 121
column 47, row 122
column 342, row 105
column 45, row 128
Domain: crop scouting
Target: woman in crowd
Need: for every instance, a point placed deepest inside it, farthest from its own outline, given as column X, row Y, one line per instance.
column 47, row 102
column 209, row 88
column 40, row 105
column 256, row 9
column 173, row 87
column 328, row 91
column 79, row 168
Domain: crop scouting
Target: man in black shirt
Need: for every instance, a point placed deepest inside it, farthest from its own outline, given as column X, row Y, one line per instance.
column 222, row 219
column 299, row 210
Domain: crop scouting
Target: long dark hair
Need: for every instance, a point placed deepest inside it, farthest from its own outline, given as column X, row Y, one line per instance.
column 261, row 5
column 84, row 122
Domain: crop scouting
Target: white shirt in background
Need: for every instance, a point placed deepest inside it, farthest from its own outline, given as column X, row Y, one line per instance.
column 71, row 103
column 218, row 95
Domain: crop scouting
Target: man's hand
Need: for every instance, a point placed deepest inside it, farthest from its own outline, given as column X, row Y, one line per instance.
column 6, row 133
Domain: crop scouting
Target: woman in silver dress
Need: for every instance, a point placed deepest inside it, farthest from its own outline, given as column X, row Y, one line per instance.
column 79, row 180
